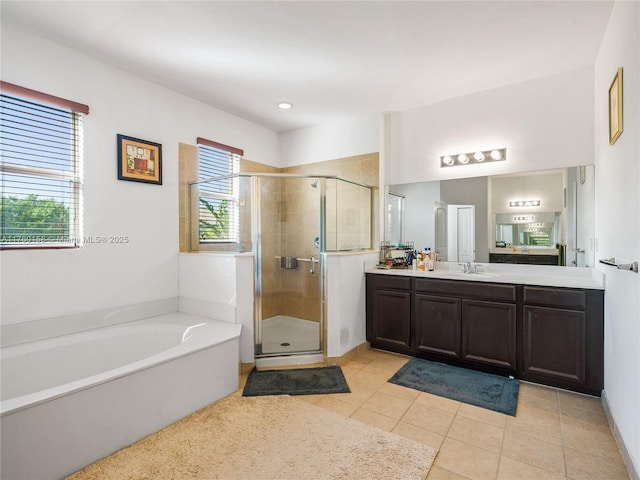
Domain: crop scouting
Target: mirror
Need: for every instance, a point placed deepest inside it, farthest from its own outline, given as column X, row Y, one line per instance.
column 543, row 217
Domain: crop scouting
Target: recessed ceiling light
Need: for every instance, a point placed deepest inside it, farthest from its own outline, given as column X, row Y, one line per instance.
column 285, row 105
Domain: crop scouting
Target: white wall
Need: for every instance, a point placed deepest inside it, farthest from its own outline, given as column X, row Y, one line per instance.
column 346, row 300
column 46, row 283
column 617, row 221
column 344, row 138
column 543, row 123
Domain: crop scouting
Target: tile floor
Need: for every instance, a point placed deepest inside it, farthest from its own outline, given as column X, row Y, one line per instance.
column 555, row 434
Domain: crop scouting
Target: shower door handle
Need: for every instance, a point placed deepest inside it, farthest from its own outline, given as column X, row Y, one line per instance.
column 312, row 268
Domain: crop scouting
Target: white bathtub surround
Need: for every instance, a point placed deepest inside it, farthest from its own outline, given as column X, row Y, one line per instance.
column 31, row 331
column 74, row 399
column 220, row 286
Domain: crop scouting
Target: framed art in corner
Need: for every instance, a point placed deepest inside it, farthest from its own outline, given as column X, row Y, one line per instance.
column 139, row 160
column 615, row 107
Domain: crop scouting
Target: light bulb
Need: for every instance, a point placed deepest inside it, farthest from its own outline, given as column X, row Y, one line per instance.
column 463, row 159
column 478, row 156
column 285, row 105
column 447, row 160
column 496, row 154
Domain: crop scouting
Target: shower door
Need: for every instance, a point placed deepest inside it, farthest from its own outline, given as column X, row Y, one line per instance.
column 288, row 316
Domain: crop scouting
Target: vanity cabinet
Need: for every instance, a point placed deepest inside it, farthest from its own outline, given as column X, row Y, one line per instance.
column 471, row 321
column 562, row 337
column 389, row 312
column 547, row 335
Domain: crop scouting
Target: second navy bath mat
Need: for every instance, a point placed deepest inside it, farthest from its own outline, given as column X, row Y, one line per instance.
column 485, row 390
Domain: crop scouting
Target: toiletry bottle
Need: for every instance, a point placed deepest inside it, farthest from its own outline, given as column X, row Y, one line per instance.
column 431, row 260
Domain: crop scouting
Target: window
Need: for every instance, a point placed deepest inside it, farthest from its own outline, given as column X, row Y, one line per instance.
column 218, row 204
column 40, row 169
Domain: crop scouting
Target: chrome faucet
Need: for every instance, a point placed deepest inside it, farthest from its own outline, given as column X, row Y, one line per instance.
column 469, row 267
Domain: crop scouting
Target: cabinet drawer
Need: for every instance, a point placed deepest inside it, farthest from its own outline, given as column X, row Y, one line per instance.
column 388, row 281
column 481, row 290
column 555, row 297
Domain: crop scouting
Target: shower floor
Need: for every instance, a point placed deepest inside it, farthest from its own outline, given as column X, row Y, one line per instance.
column 300, row 335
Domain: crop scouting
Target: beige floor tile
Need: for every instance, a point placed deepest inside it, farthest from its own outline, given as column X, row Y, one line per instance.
column 337, row 406
column 359, row 394
column 536, row 423
column 549, row 405
column 399, row 391
column 311, row 398
column 441, row 403
column 483, row 415
column 589, row 439
column 533, row 451
column 375, row 419
column 572, row 414
column 438, row 473
column 418, row 434
column 476, row 433
column 367, row 379
column 542, row 392
column 351, row 368
column 388, row 364
column 389, row 405
column 429, row 418
column 467, row 460
column 586, row 466
column 514, row 470
column 578, row 400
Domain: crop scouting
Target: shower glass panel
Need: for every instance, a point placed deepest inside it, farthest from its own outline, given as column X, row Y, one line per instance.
column 290, row 271
column 289, row 222
column 348, row 215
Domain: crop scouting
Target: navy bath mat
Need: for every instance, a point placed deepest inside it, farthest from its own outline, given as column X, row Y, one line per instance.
column 469, row 386
column 299, row 381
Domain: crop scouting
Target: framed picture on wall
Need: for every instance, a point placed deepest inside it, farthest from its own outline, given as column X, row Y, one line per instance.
column 139, row 160
column 615, row 107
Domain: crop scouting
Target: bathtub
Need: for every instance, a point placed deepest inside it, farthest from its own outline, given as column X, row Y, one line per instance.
column 71, row 400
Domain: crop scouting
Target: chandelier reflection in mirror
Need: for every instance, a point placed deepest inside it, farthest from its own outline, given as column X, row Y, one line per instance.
column 484, row 156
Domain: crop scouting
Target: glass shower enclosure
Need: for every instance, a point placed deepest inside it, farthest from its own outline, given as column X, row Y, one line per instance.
column 289, row 222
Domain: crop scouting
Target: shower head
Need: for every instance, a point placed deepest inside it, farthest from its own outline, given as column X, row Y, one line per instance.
column 315, row 184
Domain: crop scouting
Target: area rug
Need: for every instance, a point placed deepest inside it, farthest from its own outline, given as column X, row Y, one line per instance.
column 269, row 437
column 469, row 386
column 299, row 381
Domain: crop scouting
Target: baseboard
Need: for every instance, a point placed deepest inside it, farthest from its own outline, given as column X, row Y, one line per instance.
column 628, row 460
column 350, row 355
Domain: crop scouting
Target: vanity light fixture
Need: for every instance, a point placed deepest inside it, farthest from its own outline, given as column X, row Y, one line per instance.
column 524, row 203
column 473, row 157
column 522, row 219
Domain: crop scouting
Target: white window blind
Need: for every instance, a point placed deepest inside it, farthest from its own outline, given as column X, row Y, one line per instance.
column 40, row 170
column 218, row 200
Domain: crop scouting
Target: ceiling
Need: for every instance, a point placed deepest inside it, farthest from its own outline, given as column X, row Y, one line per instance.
column 331, row 59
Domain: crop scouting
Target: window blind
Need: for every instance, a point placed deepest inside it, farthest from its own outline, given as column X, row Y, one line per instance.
column 218, row 214
column 40, row 172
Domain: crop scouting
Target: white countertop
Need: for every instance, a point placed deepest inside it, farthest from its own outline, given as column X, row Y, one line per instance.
column 572, row 277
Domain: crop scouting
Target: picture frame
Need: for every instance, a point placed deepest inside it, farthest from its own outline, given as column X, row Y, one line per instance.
column 615, row 107
column 139, row 160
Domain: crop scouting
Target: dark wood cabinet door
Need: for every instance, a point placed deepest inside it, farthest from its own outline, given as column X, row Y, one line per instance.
column 489, row 333
column 554, row 343
column 391, row 319
column 436, row 325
